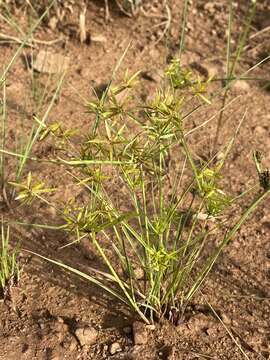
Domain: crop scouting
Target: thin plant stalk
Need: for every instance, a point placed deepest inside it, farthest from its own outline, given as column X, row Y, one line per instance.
column 231, row 66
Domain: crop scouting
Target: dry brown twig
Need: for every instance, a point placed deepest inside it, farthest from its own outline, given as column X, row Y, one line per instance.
column 10, row 39
column 253, row 36
column 82, row 25
column 148, row 15
column 107, row 11
column 267, row 28
column 122, row 9
column 167, row 22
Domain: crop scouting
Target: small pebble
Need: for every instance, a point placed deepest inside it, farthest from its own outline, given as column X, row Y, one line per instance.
column 138, row 273
column 60, row 320
column 86, row 336
column 241, row 86
column 150, row 327
column 115, row 348
column 225, row 319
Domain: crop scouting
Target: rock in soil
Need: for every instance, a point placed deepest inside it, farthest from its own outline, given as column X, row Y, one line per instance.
column 138, row 273
column 115, row 348
column 140, row 334
column 47, row 62
column 86, row 336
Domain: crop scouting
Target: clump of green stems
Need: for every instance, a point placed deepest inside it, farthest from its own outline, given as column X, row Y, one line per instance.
column 171, row 230
column 160, row 235
column 9, row 269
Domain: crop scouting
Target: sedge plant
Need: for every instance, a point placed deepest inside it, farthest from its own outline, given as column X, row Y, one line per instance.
column 9, row 268
column 156, row 216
